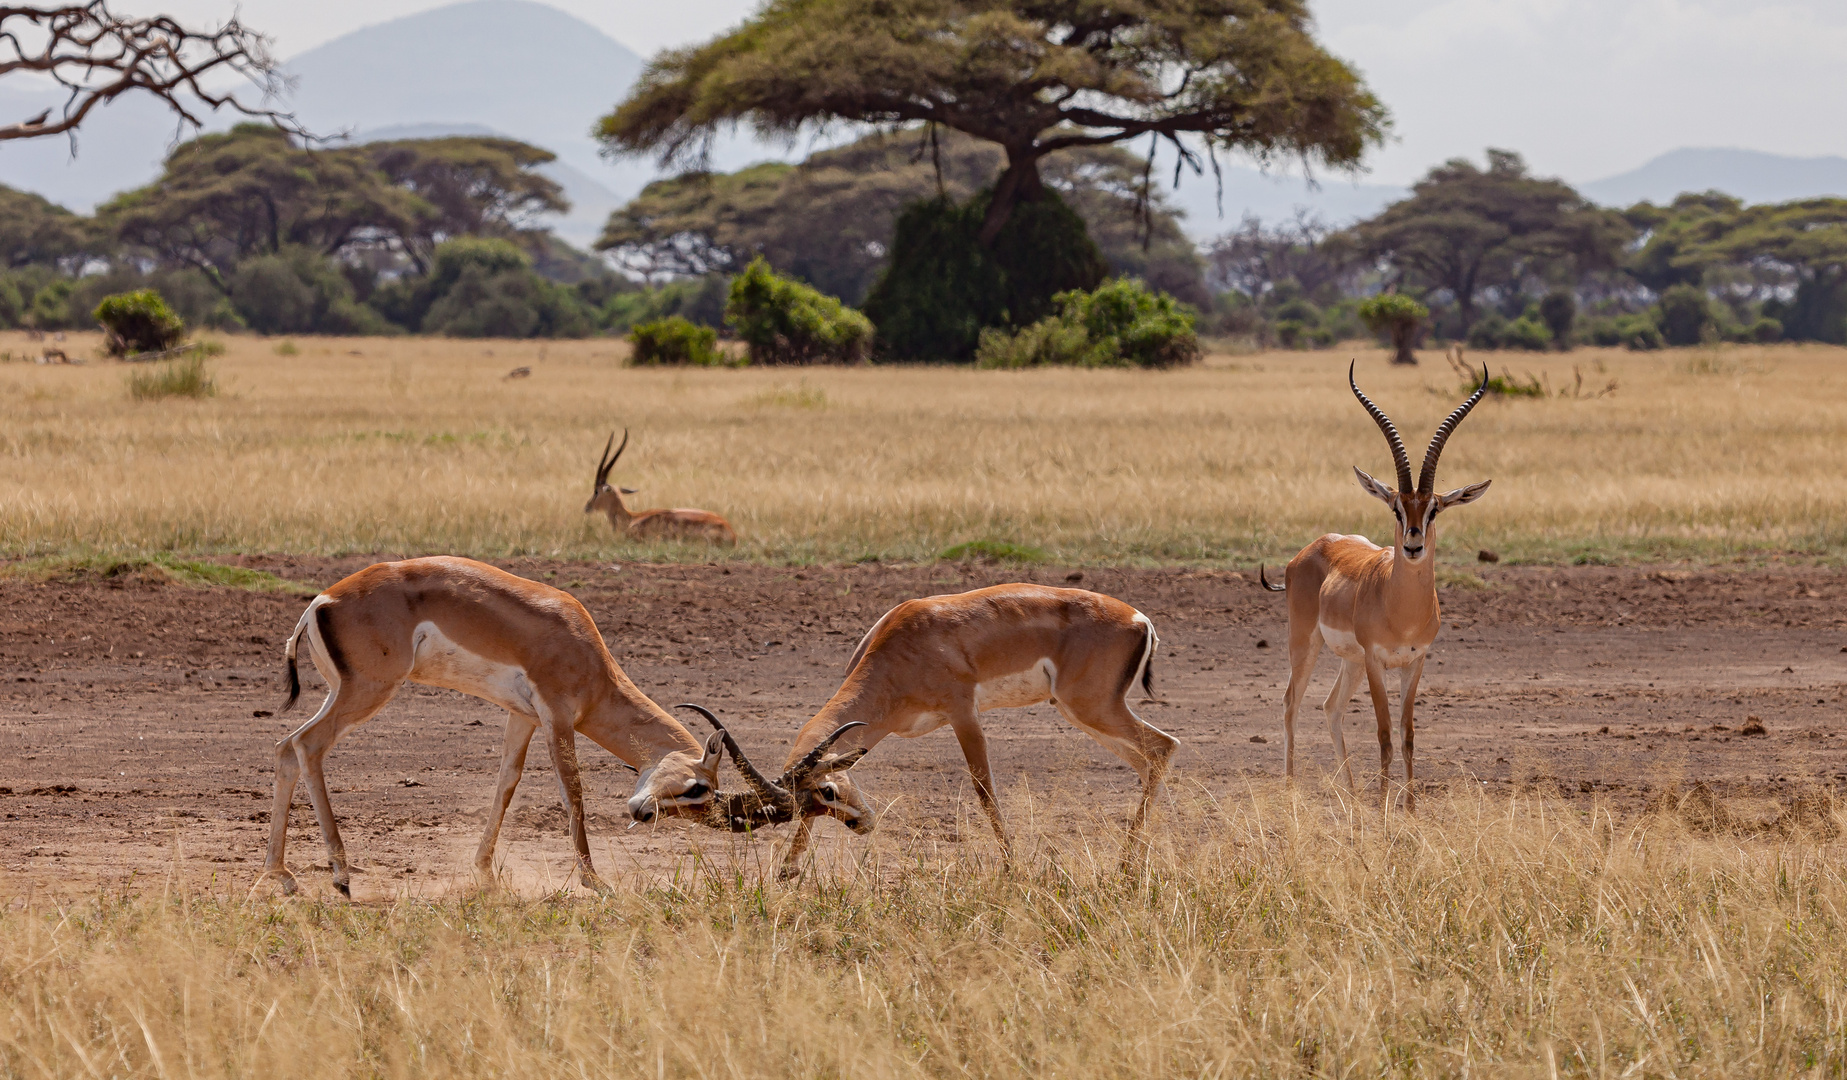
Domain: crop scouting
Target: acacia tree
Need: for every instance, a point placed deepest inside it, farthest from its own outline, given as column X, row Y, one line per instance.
column 1466, row 229
column 1032, row 76
column 95, row 56
column 475, row 186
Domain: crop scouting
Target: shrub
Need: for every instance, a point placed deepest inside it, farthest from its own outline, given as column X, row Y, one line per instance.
column 138, row 322
column 1685, row 315
column 674, row 341
column 1527, row 332
column 942, row 286
column 1121, row 324
column 1766, row 330
column 299, row 291
column 1559, row 311
column 786, row 322
column 482, row 287
column 184, row 377
column 1488, row 332
column 1292, row 333
column 1398, row 318
column 700, row 300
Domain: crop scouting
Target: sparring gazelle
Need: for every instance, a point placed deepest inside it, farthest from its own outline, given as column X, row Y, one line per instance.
column 527, row 647
column 947, row 659
column 650, row 524
column 1375, row 607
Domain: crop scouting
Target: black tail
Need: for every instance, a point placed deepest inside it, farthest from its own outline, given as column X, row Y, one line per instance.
column 1146, row 662
column 1265, row 582
column 294, row 686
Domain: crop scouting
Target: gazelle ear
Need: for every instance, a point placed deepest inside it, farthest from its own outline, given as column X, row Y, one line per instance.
column 1377, row 490
column 714, row 746
column 1462, row 495
column 628, row 491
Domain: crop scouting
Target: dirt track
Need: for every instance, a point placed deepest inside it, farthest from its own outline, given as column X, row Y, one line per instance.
column 133, row 740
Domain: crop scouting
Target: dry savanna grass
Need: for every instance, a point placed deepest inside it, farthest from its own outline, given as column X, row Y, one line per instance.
column 416, row 446
column 1270, row 936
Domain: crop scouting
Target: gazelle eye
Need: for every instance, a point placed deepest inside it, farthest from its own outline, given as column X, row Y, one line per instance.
column 830, row 792
column 696, row 791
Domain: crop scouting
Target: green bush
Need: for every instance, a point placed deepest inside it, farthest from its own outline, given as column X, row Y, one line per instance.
column 1766, row 330
column 481, row 287
column 1628, row 331
column 674, row 341
column 700, row 300
column 786, row 322
column 1527, row 332
column 184, row 377
column 1559, row 311
column 1685, row 315
column 138, row 322
column 1120, row 324
column 1397, row 318
column 942, row 286
column 299, row 291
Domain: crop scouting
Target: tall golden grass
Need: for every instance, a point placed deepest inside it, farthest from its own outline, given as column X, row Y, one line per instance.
column 408, row 446
column 1273, row 936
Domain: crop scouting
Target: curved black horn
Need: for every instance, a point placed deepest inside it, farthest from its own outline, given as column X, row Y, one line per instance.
column 763, row 784
column 799, row 771
column 1400, row 457
column 605, row 463
column 1426, row 480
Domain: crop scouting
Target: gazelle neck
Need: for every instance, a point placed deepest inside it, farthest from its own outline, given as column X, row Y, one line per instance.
column 861, row 698
column 609, row 500
column 649, row 732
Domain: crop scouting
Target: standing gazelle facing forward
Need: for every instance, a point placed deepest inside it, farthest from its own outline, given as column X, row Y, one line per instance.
column 1375, row 607
column 947, row 659
column 651, row 524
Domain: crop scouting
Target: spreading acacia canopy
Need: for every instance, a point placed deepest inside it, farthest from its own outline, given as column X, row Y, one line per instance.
column 1034, row 76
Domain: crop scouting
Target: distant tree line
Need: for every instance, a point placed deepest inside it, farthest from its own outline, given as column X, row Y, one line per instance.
column 249, row 229
column 1504, row 259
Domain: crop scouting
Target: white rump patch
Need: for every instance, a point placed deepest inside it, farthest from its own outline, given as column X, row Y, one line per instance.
column 1028, row 687
column 438, row 661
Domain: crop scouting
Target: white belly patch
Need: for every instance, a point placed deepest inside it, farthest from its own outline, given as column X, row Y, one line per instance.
column 1342, row 643
column 438, row 661
column 1028, row 687
column 922, row 723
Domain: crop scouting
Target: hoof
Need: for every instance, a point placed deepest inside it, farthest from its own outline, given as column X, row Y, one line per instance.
column 285, row 881
column 345, row 888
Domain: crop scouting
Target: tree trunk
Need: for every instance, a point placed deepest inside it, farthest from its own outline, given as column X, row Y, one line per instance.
column 1404, row 335
column 1020, row 183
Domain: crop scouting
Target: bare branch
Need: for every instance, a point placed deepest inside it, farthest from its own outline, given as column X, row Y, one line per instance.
column 97, row 56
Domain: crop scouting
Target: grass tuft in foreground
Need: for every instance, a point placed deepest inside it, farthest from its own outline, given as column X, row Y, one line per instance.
column 1275, row 937
column 185, row 377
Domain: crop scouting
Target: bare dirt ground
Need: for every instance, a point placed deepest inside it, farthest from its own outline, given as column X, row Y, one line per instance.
column 136, row 735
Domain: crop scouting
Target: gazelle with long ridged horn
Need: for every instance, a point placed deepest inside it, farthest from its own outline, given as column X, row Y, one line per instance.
column 651, row 524
column 527, row 647
column 1375, row 607
column 944, row 660
column 813, row 786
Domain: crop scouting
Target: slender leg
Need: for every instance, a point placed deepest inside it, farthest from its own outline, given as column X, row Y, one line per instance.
column 1407, row 693
column 358, row 702
column 791, row 861
column 563, row 743
column 975, row 750
column 1147, row 749
column 1382, row 714
column 1336, row 703
column 520, row 728
column 1301, row 666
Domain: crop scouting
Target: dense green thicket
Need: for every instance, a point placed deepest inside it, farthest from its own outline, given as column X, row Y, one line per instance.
column 1122, row 323
column 674, row 341
column 786, row 322
column 944, row 286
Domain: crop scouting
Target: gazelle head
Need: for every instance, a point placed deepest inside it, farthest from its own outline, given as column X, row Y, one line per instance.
column 815, row 786
column 602, row 496
column 1417, row 508
column 685, row 783
column 823, row 788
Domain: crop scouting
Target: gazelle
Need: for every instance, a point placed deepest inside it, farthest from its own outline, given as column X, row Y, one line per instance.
column 1375, row 607
column 651, row 524
column 529, row 648
column 947, row 659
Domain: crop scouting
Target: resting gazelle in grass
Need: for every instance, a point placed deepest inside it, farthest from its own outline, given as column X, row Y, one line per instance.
column 1375, row 607
column 651, row 524
column 944, row 660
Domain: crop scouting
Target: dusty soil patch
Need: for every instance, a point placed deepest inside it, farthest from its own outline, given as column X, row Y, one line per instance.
column 132, row 741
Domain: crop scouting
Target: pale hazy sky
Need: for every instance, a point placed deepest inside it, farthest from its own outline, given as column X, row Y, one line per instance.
column 1583, row 88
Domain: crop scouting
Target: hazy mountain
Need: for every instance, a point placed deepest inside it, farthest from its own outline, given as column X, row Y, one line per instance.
column 1751, row 175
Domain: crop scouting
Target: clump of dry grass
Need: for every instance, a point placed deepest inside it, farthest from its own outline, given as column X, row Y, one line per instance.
column 1273, row 936
column 413, row 446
